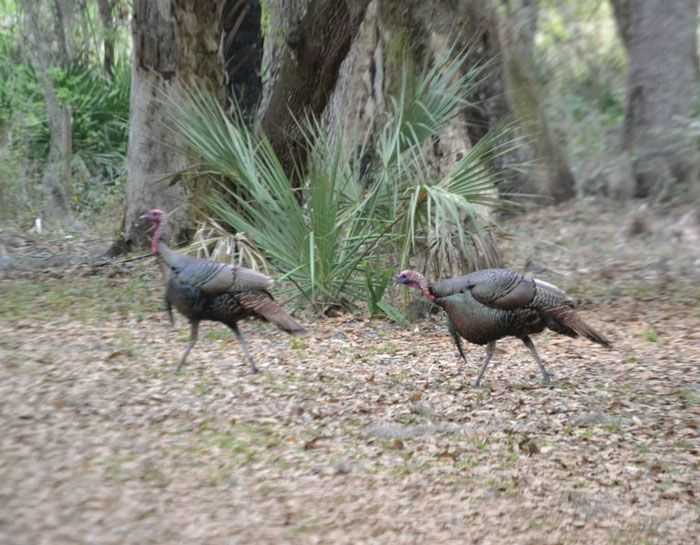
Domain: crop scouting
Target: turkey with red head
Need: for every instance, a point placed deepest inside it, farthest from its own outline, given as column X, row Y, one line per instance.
column 487, row 305
column 201, row 289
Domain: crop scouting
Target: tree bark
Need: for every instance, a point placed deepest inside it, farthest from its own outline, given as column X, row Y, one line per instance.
column 308, row 74
column 175, row 43
column 198, row 36
column 63, row 17
column 282, row 15
column 661, row 43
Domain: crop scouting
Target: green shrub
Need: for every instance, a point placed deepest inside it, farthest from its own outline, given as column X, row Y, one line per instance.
column 100, row 112
column 347, row 224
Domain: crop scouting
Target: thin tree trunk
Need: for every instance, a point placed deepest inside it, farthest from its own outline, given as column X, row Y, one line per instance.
column 64, row 11
column 552, row 177
column 108, row 29
column 56, row 179
column 57, row 172
column 661, row 42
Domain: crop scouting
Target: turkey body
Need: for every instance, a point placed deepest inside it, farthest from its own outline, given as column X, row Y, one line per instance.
column 228, row 304
column 201, row 289
column 490, row 304
column 195, row 305
column 480, row 324
column 227, row 308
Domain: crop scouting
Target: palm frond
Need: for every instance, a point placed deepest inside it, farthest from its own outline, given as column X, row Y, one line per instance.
column 324, row 243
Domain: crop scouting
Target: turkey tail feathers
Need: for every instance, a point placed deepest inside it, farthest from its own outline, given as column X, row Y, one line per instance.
column 564, row 320
column 286, row 323
column 248, row 279
column 262, row 304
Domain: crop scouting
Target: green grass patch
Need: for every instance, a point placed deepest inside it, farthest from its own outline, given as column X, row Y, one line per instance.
column 689, row 396
column 651, row 336
column 83, row 299
column 217, row 334
column 240, row 443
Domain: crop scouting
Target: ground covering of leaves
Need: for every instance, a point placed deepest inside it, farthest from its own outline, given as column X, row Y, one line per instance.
column 360, row 432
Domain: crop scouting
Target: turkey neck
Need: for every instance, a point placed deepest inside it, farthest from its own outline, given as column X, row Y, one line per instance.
column 155, row 238
column 424, row 287
column 160, row 248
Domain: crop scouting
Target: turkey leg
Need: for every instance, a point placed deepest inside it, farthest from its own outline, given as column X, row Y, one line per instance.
column 169, row 310
column 457, row 340
column 489, row 354
column 244, row 346
column 194, row 334
column 546, row 377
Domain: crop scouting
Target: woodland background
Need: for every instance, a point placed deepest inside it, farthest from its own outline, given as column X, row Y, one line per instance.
column 551, row 101
column 333, row 143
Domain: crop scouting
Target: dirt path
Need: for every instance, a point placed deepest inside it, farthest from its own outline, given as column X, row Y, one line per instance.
column 361, row 433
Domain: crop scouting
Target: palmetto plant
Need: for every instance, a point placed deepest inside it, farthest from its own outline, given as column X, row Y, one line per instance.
column 344, row 224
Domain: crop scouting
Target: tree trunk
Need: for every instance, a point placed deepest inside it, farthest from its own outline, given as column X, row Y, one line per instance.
column 198, row 35
column 430, row 29
column 282, row 15
column 57, row 172
column 174, row 43
column 105, row 8
column 65, row 13
column 661, row 43
column 308, row 74
column 551, row 176
column 395, row 33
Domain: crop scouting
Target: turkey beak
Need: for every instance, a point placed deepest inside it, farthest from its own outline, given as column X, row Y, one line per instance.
column 397, row 279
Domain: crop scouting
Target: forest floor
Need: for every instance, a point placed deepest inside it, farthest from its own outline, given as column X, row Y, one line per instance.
column 362, row 431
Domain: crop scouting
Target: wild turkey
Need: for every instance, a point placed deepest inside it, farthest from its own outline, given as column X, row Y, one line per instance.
column 207, row 290
column 490, row 304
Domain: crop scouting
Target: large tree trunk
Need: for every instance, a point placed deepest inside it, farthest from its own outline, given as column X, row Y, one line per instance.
column 397, row 35
column 282, row 15
column 175, row 43
column 661, row 42
column 198, row 35
column 56, row 179
column 503, row 37
column 316, row 47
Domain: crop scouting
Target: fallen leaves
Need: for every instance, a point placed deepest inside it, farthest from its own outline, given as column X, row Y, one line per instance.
column 359, row 429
